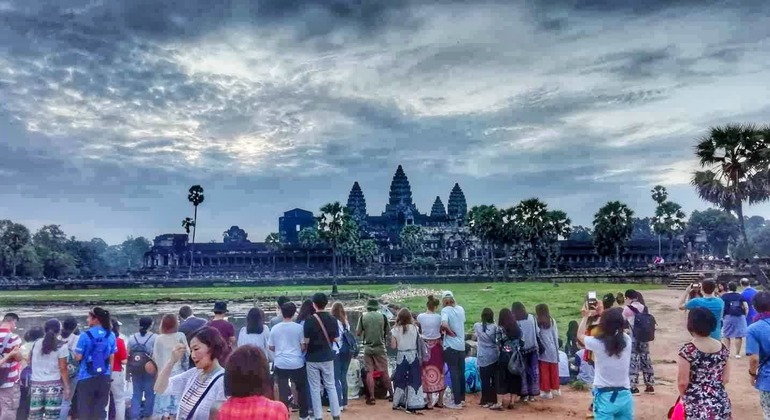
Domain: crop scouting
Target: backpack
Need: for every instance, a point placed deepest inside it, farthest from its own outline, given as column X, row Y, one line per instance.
column 348, row 343
column 139, row 358
column 644, row 325
column 735, row 308
column 73, row 366
column 511, row 356
column 98, row 357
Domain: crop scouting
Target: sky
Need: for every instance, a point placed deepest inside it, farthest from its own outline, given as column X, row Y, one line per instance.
column 110, row 110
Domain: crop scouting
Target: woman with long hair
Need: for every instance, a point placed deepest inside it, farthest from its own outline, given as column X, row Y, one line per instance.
column 509, row 341
column 143, row 342
column 407, row 380
column 207, row 347
column 486, row 357
column 248, row 388
column 611, row 349
column 166, row 406
column 95, row 351
column 255, row 333
column 571, row 345
column 549, row 358
column 49, row 381
column 704, row 370
column 343, row 356
column 529, row 334
column 433, row 381
column 305, row 311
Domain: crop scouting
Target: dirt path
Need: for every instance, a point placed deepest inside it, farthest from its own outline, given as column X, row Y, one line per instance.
column 670, row 336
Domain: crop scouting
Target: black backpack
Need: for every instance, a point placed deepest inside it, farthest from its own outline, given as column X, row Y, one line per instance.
column 735, row 308
column 139, row 357
column 644, row 325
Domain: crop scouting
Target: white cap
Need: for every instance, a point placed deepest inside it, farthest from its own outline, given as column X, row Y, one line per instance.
column 447, row 294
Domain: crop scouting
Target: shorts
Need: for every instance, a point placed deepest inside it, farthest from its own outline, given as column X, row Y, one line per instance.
column 376, row 363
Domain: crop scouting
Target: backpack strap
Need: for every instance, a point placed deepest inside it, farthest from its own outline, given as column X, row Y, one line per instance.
column 146, row 341
column 200, row 400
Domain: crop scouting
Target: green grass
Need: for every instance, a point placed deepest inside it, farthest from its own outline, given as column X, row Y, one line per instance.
column 564, row 301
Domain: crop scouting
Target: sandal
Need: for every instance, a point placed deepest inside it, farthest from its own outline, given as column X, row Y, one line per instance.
column 371, row 401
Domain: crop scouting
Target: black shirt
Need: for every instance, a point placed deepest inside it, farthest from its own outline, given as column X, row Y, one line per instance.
column 318, row 348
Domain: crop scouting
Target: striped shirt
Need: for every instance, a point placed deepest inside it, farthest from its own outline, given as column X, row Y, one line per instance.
column 14, row 367
column 188, row 388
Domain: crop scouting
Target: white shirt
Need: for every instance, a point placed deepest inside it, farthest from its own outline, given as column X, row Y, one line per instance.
column 257, row 340
column 431, row 325
column 180, row 385
column 45, row 367
column 287, row 338
column 563, row 365
column 454, row 316
column 610, row 372
column 406, row 341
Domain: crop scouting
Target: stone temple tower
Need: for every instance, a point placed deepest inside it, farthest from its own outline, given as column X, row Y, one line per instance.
column 438, row 209
column 457, row 208
column 357, row 203
column 400, row 205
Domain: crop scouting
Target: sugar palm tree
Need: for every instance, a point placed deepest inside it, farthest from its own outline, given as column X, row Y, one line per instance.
column 734, row 160
column 194, row 196
column 309, row 239
column 613, row 225
column 273, row 242
column 330, row 228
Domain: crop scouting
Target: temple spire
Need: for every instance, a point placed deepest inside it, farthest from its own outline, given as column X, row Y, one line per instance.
column 357, row 203
column 438, row 209
column 457, row 208
column 400, row 190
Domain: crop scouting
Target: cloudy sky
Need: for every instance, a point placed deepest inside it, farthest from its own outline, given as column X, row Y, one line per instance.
column 110, row 110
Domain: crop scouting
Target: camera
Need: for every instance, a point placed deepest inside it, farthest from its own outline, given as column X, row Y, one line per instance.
column 591, row 300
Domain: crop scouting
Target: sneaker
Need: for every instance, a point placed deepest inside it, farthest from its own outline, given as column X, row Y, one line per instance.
column 737, row 356
column 545, row 396
column 496, row 407
column 634, row 391
column 557, row 393
column 453, row 406
column 650, row 390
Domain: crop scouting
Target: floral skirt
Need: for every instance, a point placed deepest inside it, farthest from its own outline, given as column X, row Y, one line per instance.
column 407, row 382
column 45, row 399
column 433, row 369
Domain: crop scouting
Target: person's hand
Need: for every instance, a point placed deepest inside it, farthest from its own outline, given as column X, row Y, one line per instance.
column 688, row 289
column 15, row 352
column 178, row 353
column 66, row 393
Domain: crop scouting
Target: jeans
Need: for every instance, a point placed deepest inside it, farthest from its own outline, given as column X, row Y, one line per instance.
column 118, row 390
column 299, row 378
column 455, row 360
column 488, row 376
column 613, row 405
column 67, row 403
column 315, row 371
column 143, row 386
column 93, row 396
column 341, row 365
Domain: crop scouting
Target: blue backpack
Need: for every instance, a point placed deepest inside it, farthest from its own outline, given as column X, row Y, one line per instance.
column 98, row 357
column 348, row 343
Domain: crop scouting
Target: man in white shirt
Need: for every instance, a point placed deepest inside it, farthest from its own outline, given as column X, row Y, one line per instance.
column 287, row 342
column 453, row 324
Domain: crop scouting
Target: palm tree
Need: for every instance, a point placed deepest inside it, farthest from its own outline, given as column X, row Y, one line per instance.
column 484, row 222
column 613, row 225
column 734, row 159
column 557, row 225
column 669, row 220
column 273, row 242
column 194, row 196
column 330, row 228
column 309, row 239
column 532, row 217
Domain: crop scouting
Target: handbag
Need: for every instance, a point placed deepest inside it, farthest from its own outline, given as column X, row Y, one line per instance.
column 676, row 412
column 323, row 328
column 422, row 349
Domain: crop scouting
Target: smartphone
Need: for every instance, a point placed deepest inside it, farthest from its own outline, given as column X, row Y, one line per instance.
column 696, row 285
column 591, row 299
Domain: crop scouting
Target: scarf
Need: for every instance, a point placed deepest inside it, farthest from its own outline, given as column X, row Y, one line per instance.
column 762, row 315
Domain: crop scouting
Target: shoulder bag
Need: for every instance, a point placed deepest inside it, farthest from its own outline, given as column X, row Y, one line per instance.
column 203, row 396
column 323, row 328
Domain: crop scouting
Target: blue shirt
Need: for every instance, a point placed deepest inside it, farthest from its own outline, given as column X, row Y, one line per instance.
column 713, row 304
column 454, row 316
column 85, row 345
column 748, row 295
column 758, row 342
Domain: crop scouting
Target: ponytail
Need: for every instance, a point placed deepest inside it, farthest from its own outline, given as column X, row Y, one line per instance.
column 50, row 342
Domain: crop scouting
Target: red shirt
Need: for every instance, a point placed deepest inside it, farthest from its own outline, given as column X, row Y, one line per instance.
column 14, row 367
column 254, row 407
column 120, row 356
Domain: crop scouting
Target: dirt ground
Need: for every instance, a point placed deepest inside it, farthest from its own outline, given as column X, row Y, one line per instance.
column 671, row 334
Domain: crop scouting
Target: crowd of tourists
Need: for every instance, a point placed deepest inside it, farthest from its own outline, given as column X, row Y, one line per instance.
column 300, row 360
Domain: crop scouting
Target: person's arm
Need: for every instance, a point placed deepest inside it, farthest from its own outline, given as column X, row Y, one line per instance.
column 445, row 321
column 752, row 349
column 685, row 297
column 359, row 326
column 81, row 347
column 726, row 372
column 683, row 377
column 581, row 332
column 270, row 343
column 161, row 382
column 65, row 377
column 393, row 341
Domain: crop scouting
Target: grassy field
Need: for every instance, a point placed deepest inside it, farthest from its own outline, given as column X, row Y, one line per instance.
column 564, row 301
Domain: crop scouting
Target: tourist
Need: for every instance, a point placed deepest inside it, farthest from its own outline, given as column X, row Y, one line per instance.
column 564, row 374
column 758, row 349
column 225, row 328
column 612, row 358
column 9, row 369
column 548, row 335
column 704, row 369
column 748, row 294
column 320, row 335
column 571, row 346
column 287, row 342
column 734, row 320
column 70, row 336
column 306, row 310
column 30, row 337
column 708, row 301
column 407, row 380
column 188, row 322
column 248, row 386
column 433, row 382
column 344, row 355
column 453, row 325
column 640, row 348
column 608, row 301
column 585, row 370
column 118, row 393
column 373, row 329
column 509, row 341
column 529, row 333
column 49, row 381
column 487, row 354
column 95, row 351
column 140, row 350
column 721, row 289
column 166, row 406
column 278, row 318
column 255, row 333
column 197, row 390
